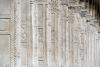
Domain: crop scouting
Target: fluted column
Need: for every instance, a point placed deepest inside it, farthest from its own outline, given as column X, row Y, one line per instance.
column 83, row 38
column 55, row 20
column 93, row 46
column 48, row 34
column 70, row 22
column 89, row 40
column 67, row 41
column 44, row 32
column 62, row 26
column 96, row 43
column 95, row 53
column 99, row 44
column 34, row 22
column 87, row 43
column 92, row 42
column 76, row 44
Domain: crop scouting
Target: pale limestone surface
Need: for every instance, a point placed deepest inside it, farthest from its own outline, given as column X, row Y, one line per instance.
column 48, row 33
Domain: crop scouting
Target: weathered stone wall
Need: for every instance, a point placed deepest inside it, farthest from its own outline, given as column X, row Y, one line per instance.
column 48, row 33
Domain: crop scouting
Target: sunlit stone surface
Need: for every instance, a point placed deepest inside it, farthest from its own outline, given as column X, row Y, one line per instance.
column 48, row 33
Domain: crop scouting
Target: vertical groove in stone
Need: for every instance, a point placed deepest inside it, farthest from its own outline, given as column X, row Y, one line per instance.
column 79, row 50
column 48, row 31
column 55, row 4
column 35, row 33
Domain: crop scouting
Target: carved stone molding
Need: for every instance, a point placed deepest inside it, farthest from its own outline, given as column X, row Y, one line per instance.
column 89, row 17
column 24, row 32
column 17, row 33
column 83, row 13
column 78, row 8
column 55, row 4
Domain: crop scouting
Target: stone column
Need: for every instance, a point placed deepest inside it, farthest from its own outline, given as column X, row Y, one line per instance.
column 93, row 46
column 17, row 33
column 34, row 21
column 55, row 19
column 70, row 20
column 67, row 41
column 60, row 43
column 99, row 44
column 48, row 34
column 83, row 38
column 96, row 43
column 87, row 43
column 71, row 17
column 81, row 21
column 92, row 42
column 62, row 32
column 89, row 38
column 77, row 46
column 95, row 37
column 44, row 26
column 76, row 56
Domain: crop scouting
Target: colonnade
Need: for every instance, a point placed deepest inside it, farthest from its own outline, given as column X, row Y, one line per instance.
column 63, row 35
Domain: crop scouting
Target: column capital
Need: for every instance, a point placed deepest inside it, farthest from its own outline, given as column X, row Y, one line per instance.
column 84, row 13
column 92, row 21
column 99, row 31
column 55, row 4
column 96, row 24
column 71, row 7
column 78, row 8
column 49, row 1
column 33, row 1
column 88, row 17
column 72, row 3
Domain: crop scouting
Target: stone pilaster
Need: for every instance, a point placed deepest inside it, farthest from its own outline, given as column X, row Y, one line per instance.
column 17, row 33
column 92, row 42
column 55, row 20
column 67, row 41
column 90, row 37
column 70, row 22
column 89, row 40
column 62, row 29
column 93, row 47
column 34, row 21
column 48, row 34
column 77, row 46
column 83, row 38
column 99, row 44
column 90, row 47
column 42, row 47
column 96, row 44
column 87, row 43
